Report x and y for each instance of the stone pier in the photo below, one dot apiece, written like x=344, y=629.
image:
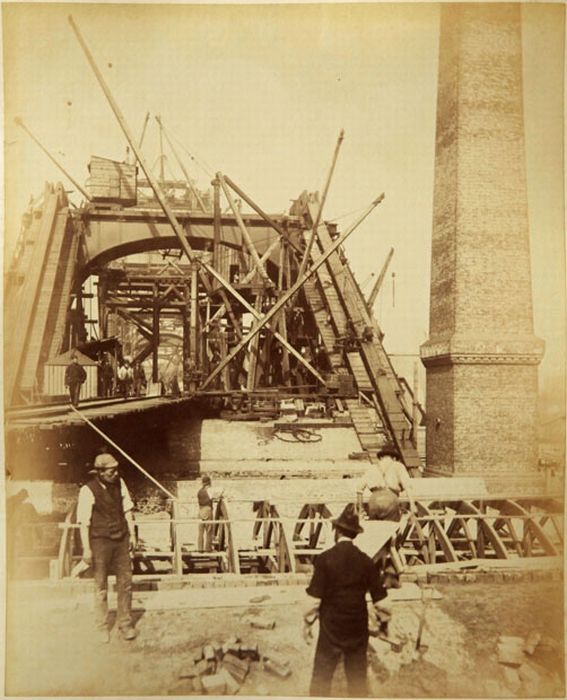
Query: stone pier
x=481, y=356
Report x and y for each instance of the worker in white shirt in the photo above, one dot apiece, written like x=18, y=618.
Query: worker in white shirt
x=104, y=512
x=205, y=497
x=385, y=481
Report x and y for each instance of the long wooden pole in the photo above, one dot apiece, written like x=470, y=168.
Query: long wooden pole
x=146, y=120
x=273, y=245
x=291, y=291
x=124, y=454
x=305, y=260
x=245, y=234
x=267, y=218
x=21, y=124
x=378, y=284
x=177, y=228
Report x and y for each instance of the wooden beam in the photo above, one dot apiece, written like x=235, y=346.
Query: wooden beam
x=247, y=239
x=253, y=349
x=141, y=141
x=307, y=253
x=217, y=225
x=178, y=230
x=21, y=124
x=378, y=284
x=155, y=339
x=267, y=218
x=193, y=322
x=264, y=259
x=292, y=291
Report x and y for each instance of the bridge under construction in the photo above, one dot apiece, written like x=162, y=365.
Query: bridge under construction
x=260, y=317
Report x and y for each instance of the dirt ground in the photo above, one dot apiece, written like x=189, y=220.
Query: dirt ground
x=51, y=650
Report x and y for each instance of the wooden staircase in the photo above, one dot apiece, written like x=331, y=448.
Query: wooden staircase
x=367, y=359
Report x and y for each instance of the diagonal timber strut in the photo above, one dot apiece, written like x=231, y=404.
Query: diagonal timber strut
x=177, y=228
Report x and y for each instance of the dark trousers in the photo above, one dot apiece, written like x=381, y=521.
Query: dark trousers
x=112, y=556
x=327, y=656
x=74, y=393
x=205, y=538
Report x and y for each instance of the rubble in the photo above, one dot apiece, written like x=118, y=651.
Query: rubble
x=522, y=675
x=532, y=640
x=511, y=650
x=263, y=624
x=220, y=668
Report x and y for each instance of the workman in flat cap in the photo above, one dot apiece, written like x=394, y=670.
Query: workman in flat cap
x=342, y=576
x=108, y=536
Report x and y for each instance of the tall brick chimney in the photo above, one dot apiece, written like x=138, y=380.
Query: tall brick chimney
x=481, y=355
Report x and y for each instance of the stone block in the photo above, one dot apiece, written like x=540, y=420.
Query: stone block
x=532, y=640
x=512, y=679
x=263, y=624
x=511, y=651
x=277, y=669
x=215, y=684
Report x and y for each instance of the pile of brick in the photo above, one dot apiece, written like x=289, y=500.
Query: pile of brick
x=221, y=668
x=522, y=674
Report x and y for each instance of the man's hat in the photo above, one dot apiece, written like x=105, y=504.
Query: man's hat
x=206, y=479
x=105, y=461
x=347, y=521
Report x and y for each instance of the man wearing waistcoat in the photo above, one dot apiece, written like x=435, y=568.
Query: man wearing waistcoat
x=341, y=578
x=104, y=512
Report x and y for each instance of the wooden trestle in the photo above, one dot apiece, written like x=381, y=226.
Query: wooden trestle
x=443, y=533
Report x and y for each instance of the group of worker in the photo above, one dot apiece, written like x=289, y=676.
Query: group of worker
x=342, y=575
x=128, y=380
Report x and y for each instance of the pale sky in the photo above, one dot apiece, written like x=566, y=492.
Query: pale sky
x=261, y=93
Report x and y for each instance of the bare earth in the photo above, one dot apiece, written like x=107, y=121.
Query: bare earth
x=51, y=650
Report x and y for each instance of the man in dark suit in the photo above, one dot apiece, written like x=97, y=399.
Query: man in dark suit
x=342, y=577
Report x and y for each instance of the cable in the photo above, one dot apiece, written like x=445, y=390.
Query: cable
x=205, y=167
x=298, y=435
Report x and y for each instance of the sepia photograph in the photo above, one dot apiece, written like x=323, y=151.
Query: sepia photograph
x=284, y=328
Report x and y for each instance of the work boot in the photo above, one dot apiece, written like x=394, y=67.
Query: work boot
x=102, y=635
x=128, y=633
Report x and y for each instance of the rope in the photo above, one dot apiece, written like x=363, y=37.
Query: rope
x=205, y=167
x=298, y=435
x=124, y=454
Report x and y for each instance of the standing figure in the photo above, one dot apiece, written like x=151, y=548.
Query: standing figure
x=205, y=496
x=75, y=376
x=139, y=378
x=341, y=578
x=125, y=378
x=106, y=377
x=108, y=536
x=385, y=480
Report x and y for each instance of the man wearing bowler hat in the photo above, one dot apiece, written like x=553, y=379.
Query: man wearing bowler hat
x=342, y=576
x=104, y=512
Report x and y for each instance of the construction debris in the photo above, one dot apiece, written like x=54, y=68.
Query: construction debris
x=511, y=651
x=522, y=675
x=532, y=640
x=263, y=624
x=221, y=668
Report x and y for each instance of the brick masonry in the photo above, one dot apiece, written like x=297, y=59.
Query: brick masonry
x=481, y=355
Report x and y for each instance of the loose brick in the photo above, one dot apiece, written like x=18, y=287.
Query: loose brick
x=232, y=684
x=263, y=624
x=215, y=684
x=277, y=669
